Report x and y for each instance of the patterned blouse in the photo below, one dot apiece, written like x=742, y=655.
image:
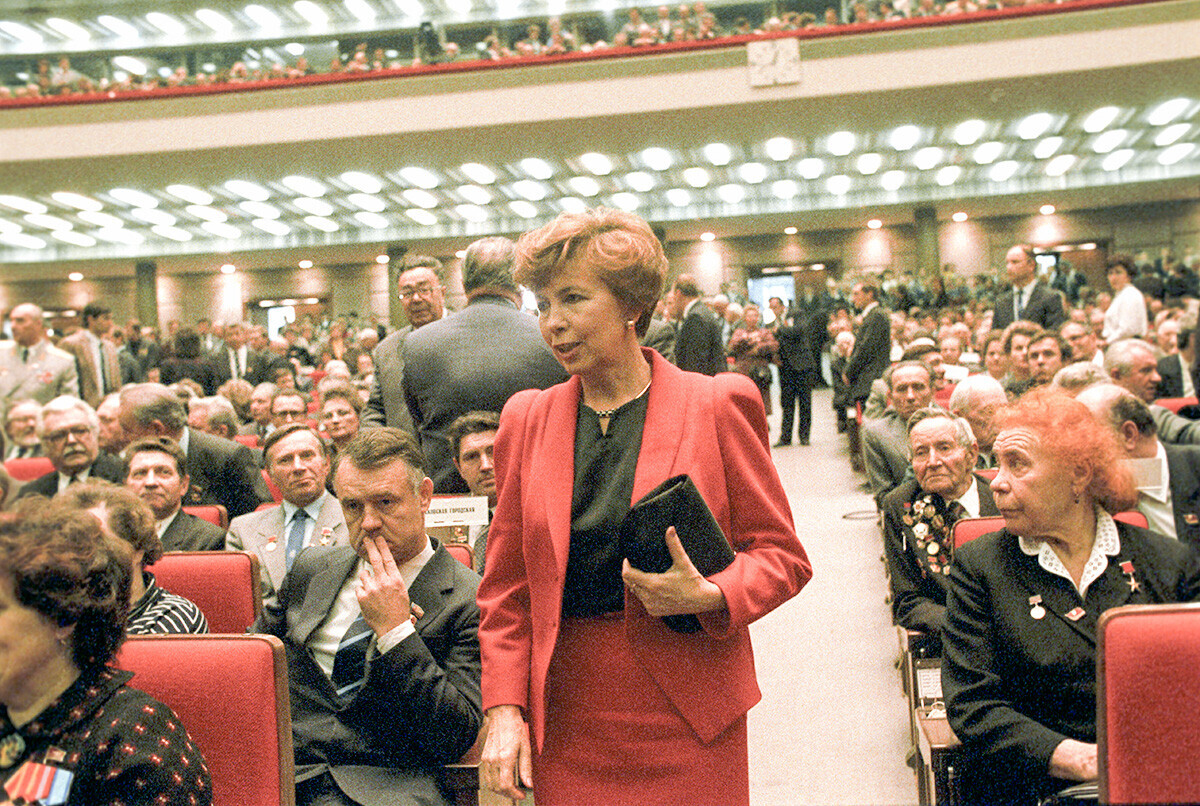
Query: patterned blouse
x=159, y=612
x=102, y=744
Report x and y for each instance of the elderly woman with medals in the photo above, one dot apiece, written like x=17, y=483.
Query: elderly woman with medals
x=71, y=731
x=1019, y=645
x=919, y=517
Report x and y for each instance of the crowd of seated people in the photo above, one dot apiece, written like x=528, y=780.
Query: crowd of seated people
x=669, y=24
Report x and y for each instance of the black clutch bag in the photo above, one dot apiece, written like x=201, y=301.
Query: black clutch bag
x=676, y=502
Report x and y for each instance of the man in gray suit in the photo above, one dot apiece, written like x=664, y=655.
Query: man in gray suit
x=31, y=368
x=421, y=294
x=381, y=639
x=473, y=360
x=885, y=441
x=297, y=459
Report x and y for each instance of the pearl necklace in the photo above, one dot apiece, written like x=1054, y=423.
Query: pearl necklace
x=607, y=413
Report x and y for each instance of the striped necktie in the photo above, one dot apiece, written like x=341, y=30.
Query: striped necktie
x=350, y=662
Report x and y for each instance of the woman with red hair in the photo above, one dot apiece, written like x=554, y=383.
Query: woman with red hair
x=1019, y=647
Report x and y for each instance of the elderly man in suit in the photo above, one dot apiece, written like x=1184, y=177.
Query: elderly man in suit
x=31, y=368
x=473, y=360
x=919, y=517
x=1028, y=299
x=156, y=470
x=885, y=440
x=872, y=343
x=69, y=433
x=95, y=356
x=381, y=639
x=1132, y=365
x=21, y=430
x=1167, y=476
x=297, y=460
x=698, y=343
x=221, y=471
x=422, y=295
x=1175, y=369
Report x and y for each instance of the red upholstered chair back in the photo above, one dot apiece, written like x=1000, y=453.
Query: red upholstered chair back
x=231, y=693
x=1147, y=698
x=213, y=513
x=942, y=396
x=273, y=487
x=968, y=529
x=249, y=440
x=1133, y=518
x=461, y=552
x=225, y=585
x=29, y=468
x=1176, y=403
x=988, y=473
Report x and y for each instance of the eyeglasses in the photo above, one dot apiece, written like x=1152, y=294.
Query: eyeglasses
x=77, y=431
x=422, y=290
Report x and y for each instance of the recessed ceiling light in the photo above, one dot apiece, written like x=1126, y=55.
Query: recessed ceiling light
x=523, y=208
x=1175, y=153
x=23, y=241
x=570, y=204
x=584, y=185
x=366, y=182
x=134, y=198
x=263, y=17
x=1034, y=126
x=475, y=194
x=304, y=185
x=477, y=172
x=874, y=223
x=838, y=184
x=361, y=10
x=640, y=181
x=657, y=159
x=9, y=227
x=1109, y=141
x=596, y=163
x=904, y=137
x=868, y=163
x=1060, y=165
x=790, y=230
x=174, y=233
x=374, y=204
x=23, y=204
x=215, y=20
x=152, y=216
x=421, y=177
x=752, y=173
x=779, y=148
x=73, y=238
x=421, y=198
x=206, y=213
x=460, y=254
x=69, y=29
x=247, y=190
x=222, y=230
x=75, y=276
x=707, y=237
x=731, y=194
x=48, y=221
x=166, y=23
x=959, y=217
x=678, y=197
x=927, y=158
x=100, y=219
x=810, y=167
x=1003, y=171
x=372, y=220
x=23, y=33
x=696, y=177
x=1117, y=159
x=948, y=175
x=987, y=153
x=969, y=131
x=383, y=260
x=294, y=49
x=1046, y=209
x=189, y=194
x=785, y=189
x=118, y=26
x=271, y=226
x=1171, y=134
x=626, y=201
x=422, y=217
x=311, y=12
x=718, y=154
x=322, y=223
x=840, y=143
x=131, y=65
x=79, y=202
x=892, y=180
x=1167, y=111
x=260, y=209
x=1047, y=148
x=472, y=212
x=228, y=268
x=313, y=206
x=305, y=264
x=531, y=190
x=1101, y=119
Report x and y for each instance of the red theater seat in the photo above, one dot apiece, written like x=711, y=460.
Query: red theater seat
x=231, y=692
x=1176, y=403
x=988, y=473
x=461, y=552
x=249, y=440
x=213, y=513
x=1147, y=698
x=1133, y=518
x=29, y=468
x=968, y=529
x=273, y=487
x=225, y=585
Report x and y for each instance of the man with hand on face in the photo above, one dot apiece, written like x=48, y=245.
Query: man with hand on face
x=297, y=460
x=69, y=435
x=381, y=639
x=156, y=470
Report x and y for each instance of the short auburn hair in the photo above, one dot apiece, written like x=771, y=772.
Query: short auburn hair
x=619, y=247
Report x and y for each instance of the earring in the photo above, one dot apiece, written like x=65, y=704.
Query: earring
x=630, y=324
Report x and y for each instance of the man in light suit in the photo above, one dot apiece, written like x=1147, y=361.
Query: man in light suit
x=69, y=433
x=421, y=294
x=156, y=470
x=383, y=664
x=1028, y=299
x=95, y=356
x=297, y=460
x=221, y=471
x=473, y=360
x=698, y=345
x=31, y=368
x=872, y=343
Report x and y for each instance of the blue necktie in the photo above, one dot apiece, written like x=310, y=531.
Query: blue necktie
x=350, y=662
x=295, y=540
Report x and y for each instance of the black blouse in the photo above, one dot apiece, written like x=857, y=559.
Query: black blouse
x=605, y=464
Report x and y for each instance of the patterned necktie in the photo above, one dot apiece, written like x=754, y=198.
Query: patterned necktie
x=350, y=662
x=295, y=540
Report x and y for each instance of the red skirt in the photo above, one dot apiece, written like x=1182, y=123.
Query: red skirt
x=613, y=738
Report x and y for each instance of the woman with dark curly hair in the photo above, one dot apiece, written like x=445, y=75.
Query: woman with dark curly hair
x=71, y=731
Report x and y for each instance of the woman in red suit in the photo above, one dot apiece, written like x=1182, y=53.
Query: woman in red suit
x=591, y=697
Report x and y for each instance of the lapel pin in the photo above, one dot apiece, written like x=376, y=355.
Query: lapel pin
x=326, y=535
x=1127, y=570
x=1076, y=613
x=272, y=543
x=1191, y=518
x=1036, y=611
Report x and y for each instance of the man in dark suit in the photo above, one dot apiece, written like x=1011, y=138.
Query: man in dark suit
x=798, y=371
x=885, y=440
x=237, y=359
x=156, y=469
x=660, y=335
x=919, y=517
x=473, y=360
x=1175, y=369
x=872, y=343
x=1028, y=299
x=70, y=437
x=221, y=471
x=383, y=668
x=698, y=346
x=1167, y=476
x=422, y=295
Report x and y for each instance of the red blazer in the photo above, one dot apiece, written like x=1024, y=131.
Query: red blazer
x=712, y=428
